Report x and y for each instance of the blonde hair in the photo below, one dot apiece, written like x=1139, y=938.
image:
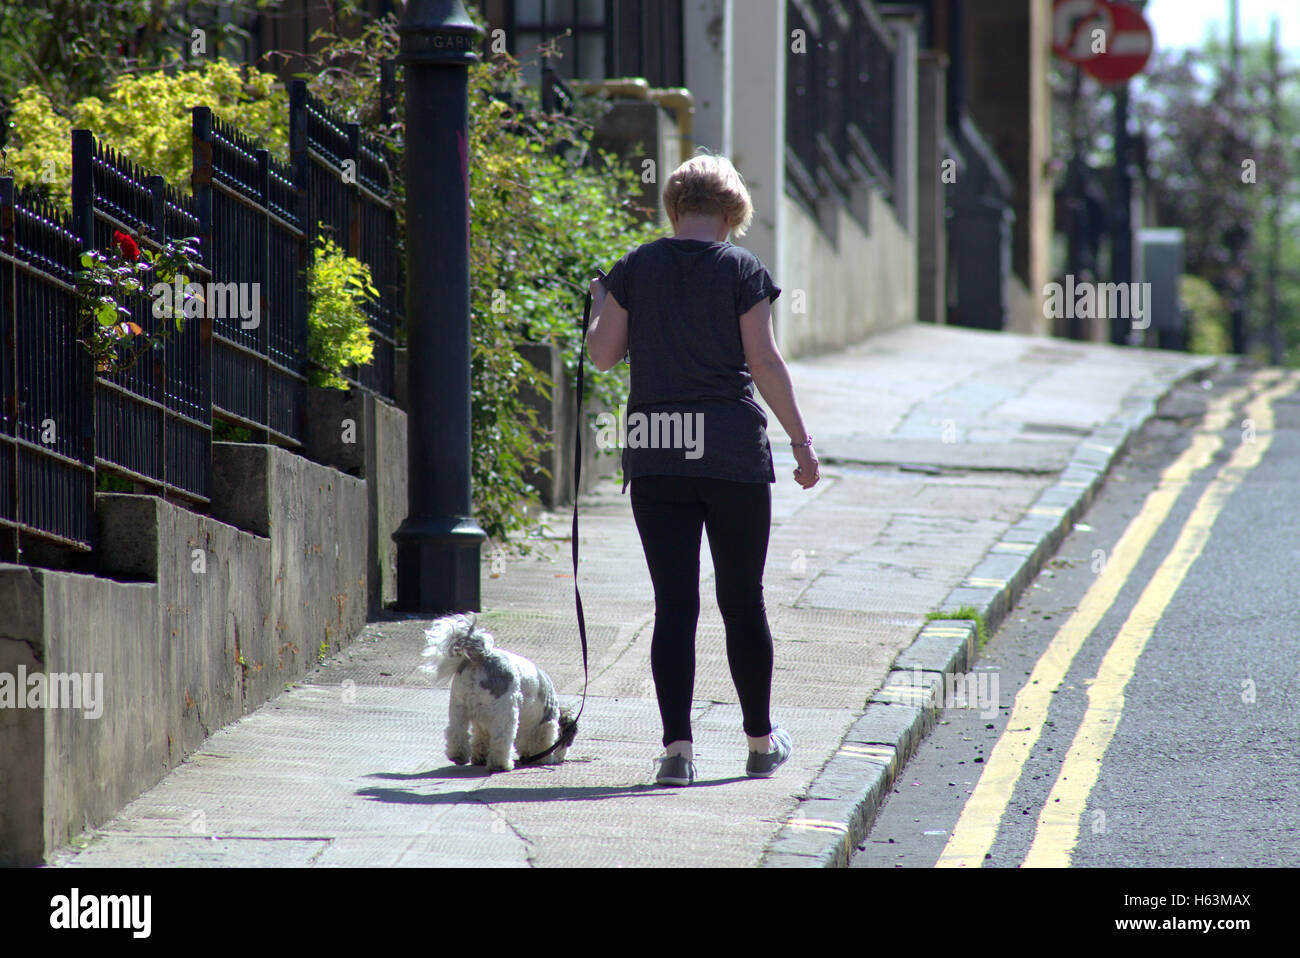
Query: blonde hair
x=708, y=184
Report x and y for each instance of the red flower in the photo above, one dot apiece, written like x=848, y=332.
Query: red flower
x=127, y=245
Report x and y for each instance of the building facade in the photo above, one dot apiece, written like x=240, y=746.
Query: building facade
x=897, y=153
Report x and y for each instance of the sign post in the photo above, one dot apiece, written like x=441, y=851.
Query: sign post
x=1111, y=41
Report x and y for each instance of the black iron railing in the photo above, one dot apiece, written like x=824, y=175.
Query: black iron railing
x=870, y=93
x=47, y=453
x=153, y=421
x=839, y=99
x=804, y=83
x=252, y=230
x=243, y=360
x=348, y=196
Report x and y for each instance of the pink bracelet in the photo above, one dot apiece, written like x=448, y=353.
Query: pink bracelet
x=806, y=442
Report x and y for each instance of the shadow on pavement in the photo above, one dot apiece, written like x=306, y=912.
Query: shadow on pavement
x=505, y=794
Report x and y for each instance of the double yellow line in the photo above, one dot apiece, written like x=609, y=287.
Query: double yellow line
x=1058, y=824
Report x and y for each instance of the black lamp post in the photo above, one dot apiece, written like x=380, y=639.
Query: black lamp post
x=438, y=542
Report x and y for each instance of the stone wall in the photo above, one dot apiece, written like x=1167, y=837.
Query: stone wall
x=193, y=622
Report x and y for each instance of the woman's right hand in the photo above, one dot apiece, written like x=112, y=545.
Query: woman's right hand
x=807, y=474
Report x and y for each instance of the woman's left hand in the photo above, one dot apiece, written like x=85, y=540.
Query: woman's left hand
x=808, y=472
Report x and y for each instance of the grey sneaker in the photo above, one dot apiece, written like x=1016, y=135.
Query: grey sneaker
x=763, y=764
x=675, y=770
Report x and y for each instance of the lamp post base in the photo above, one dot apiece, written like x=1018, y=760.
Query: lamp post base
x=438, y=565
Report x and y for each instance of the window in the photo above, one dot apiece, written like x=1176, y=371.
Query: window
x=608, y=38
x=582, y=53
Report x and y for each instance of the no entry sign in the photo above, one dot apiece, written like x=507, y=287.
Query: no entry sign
x=1110, y=39
x=1074, y=23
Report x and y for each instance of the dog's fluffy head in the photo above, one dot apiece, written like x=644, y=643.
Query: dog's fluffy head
x=453, y=640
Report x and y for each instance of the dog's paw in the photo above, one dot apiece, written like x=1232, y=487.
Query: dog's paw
x=460, y=758
x=497, y=765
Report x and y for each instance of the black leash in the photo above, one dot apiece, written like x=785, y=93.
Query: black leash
x=569, y=725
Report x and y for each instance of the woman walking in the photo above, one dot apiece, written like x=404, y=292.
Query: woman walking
x=692, y=313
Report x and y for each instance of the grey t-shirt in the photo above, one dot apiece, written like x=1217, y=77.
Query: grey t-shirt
x=691, y=409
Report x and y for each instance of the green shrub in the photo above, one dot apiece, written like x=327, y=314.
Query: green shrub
x=338, y=332
x=73, y=48
x=108, y=482
x=146, y=118
x=223, y=431
x=1207, y=316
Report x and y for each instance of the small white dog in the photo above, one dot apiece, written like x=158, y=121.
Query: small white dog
x=506, y=700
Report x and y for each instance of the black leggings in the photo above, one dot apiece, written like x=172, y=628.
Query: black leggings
x=670, y=512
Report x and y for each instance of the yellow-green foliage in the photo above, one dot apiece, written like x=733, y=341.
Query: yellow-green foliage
x=338, y=334
x=1207, y=316
x=147, y=119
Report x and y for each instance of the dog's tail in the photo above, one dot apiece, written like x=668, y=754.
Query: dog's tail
x=568, y=727
x=454, y=640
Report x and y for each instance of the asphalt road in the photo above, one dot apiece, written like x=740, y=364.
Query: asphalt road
x=1170, y=737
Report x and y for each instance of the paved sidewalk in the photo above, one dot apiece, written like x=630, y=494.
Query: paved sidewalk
x=938, y=445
